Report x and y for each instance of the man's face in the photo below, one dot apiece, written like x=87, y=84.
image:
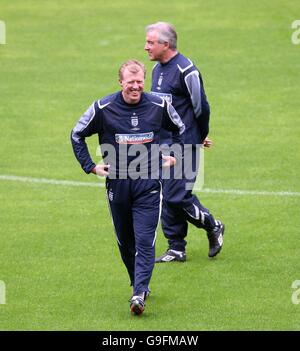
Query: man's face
x=132, y=85
x=156, y=50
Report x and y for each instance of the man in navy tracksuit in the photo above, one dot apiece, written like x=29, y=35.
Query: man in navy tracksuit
x=176, y=79
x=128, y=124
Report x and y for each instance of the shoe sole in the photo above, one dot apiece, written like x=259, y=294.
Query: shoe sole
x=222, y=233
x=161, y=261
x=136, y=309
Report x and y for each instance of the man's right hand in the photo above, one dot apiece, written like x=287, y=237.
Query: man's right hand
x=207, y=142
x=101, y=170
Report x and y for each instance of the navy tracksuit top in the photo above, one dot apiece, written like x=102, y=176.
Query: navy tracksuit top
x=118, y=123
x=180, y=83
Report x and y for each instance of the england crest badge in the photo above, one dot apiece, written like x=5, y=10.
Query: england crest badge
x=134, y=121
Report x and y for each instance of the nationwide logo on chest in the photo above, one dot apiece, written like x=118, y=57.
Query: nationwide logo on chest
x=140, y=138
x=167, y=97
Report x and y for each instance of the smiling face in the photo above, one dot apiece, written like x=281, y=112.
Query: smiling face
x=132, y=83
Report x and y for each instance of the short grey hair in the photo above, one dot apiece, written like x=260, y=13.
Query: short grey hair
x=166, y=33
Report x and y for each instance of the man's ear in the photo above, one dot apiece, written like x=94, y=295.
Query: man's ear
x=120, y=82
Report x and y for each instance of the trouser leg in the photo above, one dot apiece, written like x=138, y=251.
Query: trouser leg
x=174, y=224
x=180, y=206
x=145, y=212
x=119, y=199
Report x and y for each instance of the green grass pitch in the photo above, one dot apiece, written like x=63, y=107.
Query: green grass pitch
x=59, y=259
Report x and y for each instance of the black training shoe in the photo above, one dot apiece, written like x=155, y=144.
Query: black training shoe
x=171, y=256
x=137, y=305
x=215, y=238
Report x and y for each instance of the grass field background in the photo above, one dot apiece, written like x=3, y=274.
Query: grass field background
x=58, y=255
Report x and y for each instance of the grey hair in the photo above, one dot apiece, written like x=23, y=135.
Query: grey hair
x=166, y=33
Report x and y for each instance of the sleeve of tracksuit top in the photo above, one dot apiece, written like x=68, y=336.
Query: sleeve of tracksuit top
x=195, y=87
x=88, y=124
x=173, y=123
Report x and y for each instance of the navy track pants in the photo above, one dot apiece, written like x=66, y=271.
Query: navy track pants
x=135, y=209
x=181, y=207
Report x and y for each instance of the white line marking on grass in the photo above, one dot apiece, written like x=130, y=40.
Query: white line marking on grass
x=249, y=192
x=49, y=181
x=102, y=184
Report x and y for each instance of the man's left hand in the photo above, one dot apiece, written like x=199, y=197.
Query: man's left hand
x=169, y=161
